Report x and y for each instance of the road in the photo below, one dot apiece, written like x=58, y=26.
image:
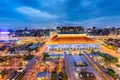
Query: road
x=31, y=69
x=111, y=52
x=68, y=68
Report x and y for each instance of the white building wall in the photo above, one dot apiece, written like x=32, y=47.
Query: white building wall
x=77, y=46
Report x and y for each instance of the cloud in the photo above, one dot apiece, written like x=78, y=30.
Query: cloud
x=31, y=12
x=60, y=12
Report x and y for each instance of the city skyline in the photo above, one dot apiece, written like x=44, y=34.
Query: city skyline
x=52, y=13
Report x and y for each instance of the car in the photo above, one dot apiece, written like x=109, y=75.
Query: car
x=20, y=70
x=60, y=76
x=36, y=61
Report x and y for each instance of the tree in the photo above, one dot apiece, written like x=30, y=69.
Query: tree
x=45, y=55
x=111, y=73
x=28, y=57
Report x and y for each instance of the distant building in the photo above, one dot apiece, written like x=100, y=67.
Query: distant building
x=33, y=32
x=118, y=31
x=6, y=37
x=70, y=30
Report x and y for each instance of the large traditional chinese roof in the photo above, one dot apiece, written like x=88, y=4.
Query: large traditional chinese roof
x=71, y=39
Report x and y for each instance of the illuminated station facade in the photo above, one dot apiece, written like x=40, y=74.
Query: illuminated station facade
x=71, y=43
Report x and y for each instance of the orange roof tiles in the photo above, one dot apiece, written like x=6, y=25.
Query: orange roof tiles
x=71, y=39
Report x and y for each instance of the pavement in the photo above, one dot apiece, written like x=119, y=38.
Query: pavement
x=71, y=68
x=98, y=69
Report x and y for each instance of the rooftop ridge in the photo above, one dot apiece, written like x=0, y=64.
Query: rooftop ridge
x=71, y=35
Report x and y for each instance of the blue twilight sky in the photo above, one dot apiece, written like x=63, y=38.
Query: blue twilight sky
x=52, y=13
